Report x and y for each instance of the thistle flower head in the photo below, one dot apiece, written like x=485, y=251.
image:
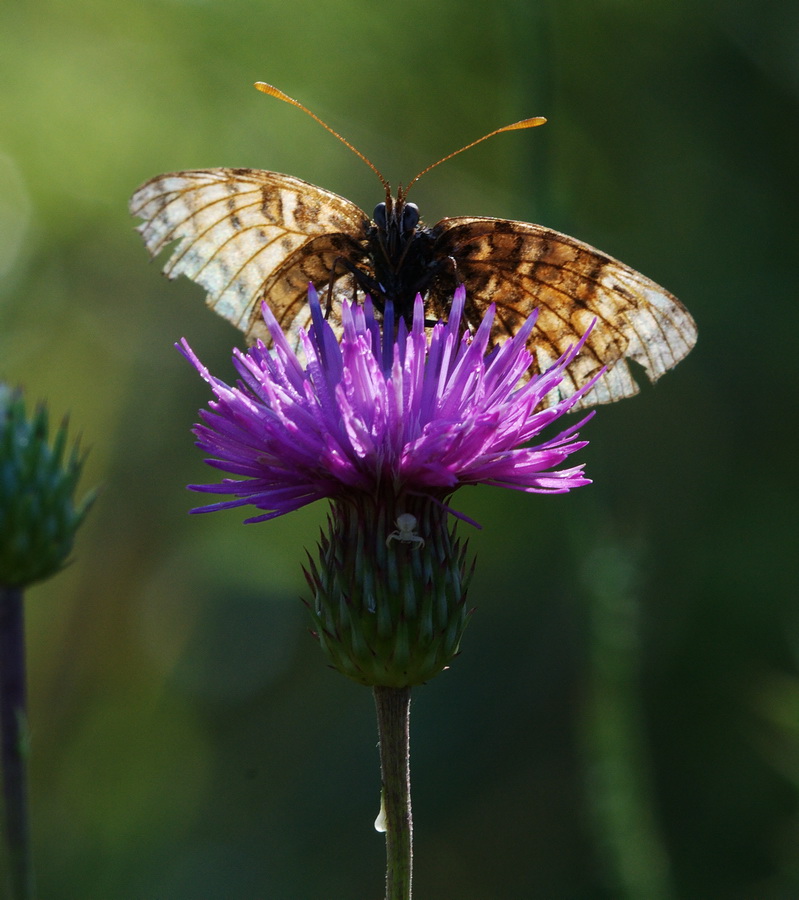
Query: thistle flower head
x=420, y=413
x=386, y=424
x=38, y=512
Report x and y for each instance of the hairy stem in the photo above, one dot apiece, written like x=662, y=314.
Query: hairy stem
x=393, y=716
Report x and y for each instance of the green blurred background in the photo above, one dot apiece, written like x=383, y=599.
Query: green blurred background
x=623, y=721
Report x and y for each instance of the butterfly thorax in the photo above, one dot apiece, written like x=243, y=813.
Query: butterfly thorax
x=400, y=251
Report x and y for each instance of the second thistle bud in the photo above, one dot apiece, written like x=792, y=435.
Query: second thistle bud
x=389, y=604
x=38, y=512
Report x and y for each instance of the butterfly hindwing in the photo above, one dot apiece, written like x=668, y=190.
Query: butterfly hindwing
x=520, y=267
x=246, y=235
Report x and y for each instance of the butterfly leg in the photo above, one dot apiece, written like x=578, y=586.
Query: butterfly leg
x=366, y=283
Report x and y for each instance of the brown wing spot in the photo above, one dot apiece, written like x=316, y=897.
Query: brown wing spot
x=339, y=242
x=271, y=205
x=503, y=226
x=305, y=213
x=623, y=292
x=232, y=206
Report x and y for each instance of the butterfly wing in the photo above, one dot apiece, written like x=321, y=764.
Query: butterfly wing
x=521, y=267
x=247, y=236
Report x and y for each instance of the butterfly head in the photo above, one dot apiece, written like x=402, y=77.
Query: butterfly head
x=396, y=216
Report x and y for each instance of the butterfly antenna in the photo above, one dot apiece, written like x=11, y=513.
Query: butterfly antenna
x=516, y=126
x=279, y=95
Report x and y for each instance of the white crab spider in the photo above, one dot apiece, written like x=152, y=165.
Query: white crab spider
x=406, y=523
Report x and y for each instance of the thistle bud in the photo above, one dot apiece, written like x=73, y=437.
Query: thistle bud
x=389, y=591
x=38, y=512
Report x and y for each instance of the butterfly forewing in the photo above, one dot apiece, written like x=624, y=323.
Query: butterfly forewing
x=246, y=235
x=521, y=267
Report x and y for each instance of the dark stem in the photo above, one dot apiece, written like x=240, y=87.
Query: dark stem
x=13, y=727
x=393, y=716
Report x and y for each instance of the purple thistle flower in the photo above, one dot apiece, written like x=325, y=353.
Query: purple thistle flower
x=385, y=424
x=422, y=414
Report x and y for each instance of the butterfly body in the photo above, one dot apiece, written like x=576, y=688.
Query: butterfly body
x=249, y=236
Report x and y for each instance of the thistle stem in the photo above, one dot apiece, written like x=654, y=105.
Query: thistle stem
x=13, y=727
x=393, y=717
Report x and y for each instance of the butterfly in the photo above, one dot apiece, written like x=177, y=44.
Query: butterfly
x=247, y=235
